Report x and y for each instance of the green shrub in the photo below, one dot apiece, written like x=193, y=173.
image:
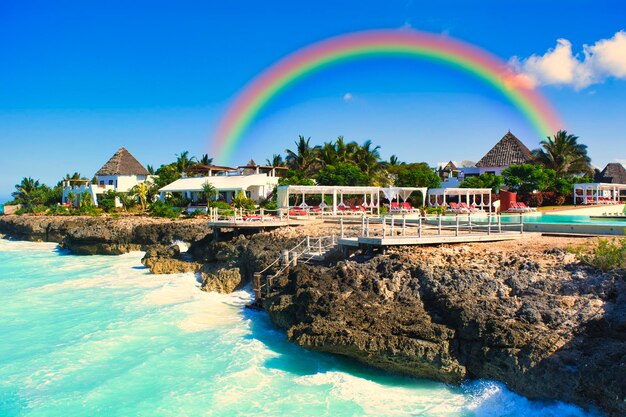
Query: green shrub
x=224, y=209
x=436, y=210
x=107, y=201
x=39, y=209
x=59, y=211
x=89, y=210
x=160, y=209
x=607, y=255
x=243, y=202
x=270, y=205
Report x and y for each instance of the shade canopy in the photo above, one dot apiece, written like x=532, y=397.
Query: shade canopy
x=597, y=192
x=371, y=194
x=477, y=196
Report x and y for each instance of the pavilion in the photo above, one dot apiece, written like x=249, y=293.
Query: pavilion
x=598, y=193
x=479, y=197
x=370, y=194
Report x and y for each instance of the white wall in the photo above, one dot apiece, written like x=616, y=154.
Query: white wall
x=122, y=183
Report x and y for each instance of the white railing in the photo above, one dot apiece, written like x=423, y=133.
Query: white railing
x=403, y=226
x=303, y=252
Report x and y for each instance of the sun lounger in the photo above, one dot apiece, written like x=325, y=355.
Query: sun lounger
x=406, y=206
x=524, y=207
x=467, y=208
x=395, y=207
x=455, y=208
x=514, y=208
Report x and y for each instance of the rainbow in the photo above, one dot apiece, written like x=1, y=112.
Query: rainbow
x=320, y=55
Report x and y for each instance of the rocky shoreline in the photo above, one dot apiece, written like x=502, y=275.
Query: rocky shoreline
x=525, y=313
x=86, y=235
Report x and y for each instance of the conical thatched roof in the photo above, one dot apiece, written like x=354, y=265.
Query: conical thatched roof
x=509, y=151
x=613, y=173
x=122, y=163
x=450, y=167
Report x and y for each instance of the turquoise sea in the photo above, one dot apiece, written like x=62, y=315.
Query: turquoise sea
x=100, y=336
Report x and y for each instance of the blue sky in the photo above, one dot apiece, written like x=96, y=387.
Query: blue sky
x=80, y=79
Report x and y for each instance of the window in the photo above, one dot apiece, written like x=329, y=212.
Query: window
x=110, y=182
x=101, y=182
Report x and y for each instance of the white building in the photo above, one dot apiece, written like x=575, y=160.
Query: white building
x=255, y=181
x=121, y=173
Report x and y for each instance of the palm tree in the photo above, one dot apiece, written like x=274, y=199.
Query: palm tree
x=141, y=190
x=25, y=190
x=276, y=161
x=564, y=154
x=394, y=161
x=74, y=176
x=327, y=154
x=71, y=198
x=304, y=157
x=367, y=158
x=183, y=161
x=208, y=190
x=345, y=151
x=205, y=160
x=150, y=169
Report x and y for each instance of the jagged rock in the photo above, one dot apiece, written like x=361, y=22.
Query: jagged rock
x=87, y=235
x=548, y=330
x=223, y=281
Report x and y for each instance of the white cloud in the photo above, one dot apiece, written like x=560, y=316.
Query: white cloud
x=347, y=97
x=561, y=66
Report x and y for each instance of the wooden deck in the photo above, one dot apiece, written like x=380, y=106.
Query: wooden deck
x=428, y=240
x=258, y=224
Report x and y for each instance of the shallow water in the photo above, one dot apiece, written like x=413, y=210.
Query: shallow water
x=100, y=336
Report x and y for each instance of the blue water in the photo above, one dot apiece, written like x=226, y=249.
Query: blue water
x=100, y=336
x=1, y=209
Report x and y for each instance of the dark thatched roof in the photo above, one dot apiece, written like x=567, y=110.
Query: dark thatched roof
x=613, y=173
x=450, y=167
x=509, y=151
x=122, y=163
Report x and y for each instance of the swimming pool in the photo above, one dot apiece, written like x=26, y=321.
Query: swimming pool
x=570, y=219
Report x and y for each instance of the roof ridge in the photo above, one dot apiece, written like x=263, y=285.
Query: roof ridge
x=508, y=151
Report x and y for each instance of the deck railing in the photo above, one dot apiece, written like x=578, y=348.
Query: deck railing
x=459, y=224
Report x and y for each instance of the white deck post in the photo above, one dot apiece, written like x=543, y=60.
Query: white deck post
x=362, y=225
x=419, y=226
x=384, y=227
x=521, y=222
x=392, y=225
x=367, y=227
x=456, y=233
x=439, y=224
x=403, y=224
x=335, y=202
x=499, y=223
x=489, y=223
x=341, y=227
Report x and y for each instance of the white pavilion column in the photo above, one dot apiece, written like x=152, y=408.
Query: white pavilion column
x=334, y=201
x=489, y=203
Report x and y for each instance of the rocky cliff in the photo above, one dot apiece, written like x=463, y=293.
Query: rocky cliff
x=85, y=235
x=546, y=326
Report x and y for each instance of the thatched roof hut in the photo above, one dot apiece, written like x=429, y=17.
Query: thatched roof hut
x=122, y=163
x=508, y=151
x=613, y=173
